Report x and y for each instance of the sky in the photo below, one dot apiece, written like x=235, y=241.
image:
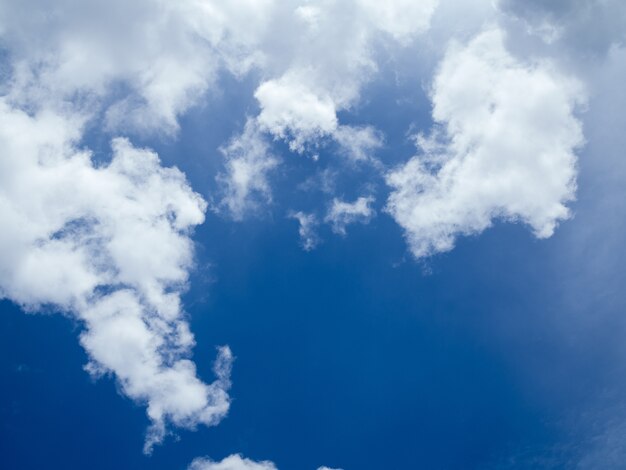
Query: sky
x=323, y=234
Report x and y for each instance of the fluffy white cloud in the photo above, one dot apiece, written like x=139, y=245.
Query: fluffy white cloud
x=504, y=149
x=232, y=462
x=236, y=462
x=323, y=68
x=147, y=61
x=291, y=111
x=109, y=245
x=343, y=213
x=307, y=229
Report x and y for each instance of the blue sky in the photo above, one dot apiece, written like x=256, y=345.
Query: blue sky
x=397, y=228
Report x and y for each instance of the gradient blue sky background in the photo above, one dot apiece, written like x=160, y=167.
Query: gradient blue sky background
x=506, y=352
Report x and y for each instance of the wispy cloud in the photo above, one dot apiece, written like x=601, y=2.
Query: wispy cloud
x=341, y=213
x=307, y=229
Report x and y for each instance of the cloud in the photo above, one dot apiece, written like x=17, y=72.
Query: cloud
x=320, y=69
x=308, y=224
x=109, y=245
x=316, y=57
x=291, y=111
x=359, y=144
x=143, y=63
x=342, y=213
x=236, y=462
x=232, y=462
x=329, y=60
x=587, y=27
x=503, y=148
x=244, y=183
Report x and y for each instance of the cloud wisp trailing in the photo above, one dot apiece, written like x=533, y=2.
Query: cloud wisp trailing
x=307, y=229
x=342, y=213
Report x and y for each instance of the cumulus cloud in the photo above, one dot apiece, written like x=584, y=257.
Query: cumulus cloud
x=307, y=229
x=503, y=149
x=236, y=462
x=343, y=213
x=108, y=245
x=161, y=55
x=291, y=111
x=232, y=462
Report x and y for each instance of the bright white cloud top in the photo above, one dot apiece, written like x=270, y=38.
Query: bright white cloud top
x=504, y=149
x=232, y=462
x=236, y=462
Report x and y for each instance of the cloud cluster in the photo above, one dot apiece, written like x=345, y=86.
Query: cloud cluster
x=503, y=149
x=109, y=242
x=321, y=68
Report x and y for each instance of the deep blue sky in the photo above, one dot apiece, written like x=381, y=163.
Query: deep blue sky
x=499, y=354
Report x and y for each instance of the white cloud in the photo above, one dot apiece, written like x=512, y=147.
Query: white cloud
x=320, y=69
x=402, y=19
x=245, y=180
x=145, y=63
x=358, y=143
x=504, y=150
x=236, y=462
x=232, y=462
x=307, y=229
x=110, y=246
x=161, y=55
x=343, y=213
x=291, y=111
x=317, y=55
